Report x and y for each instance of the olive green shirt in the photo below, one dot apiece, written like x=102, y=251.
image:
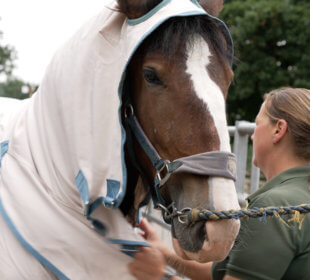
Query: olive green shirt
x=267, y=248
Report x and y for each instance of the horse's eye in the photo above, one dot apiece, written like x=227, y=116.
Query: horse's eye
x=151, y=76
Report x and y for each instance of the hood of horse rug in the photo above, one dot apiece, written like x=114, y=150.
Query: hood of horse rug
x=62, y=161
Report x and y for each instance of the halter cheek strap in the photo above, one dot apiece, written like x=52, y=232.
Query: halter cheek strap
x=215, y=163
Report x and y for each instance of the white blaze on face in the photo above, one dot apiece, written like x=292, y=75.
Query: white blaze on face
x=222, y=191
x=206, y=89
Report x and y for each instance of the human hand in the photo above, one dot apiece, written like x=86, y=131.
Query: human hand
x=150, y=234
x=148, y=263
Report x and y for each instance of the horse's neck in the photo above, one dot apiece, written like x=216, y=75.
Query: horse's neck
x=132, y=177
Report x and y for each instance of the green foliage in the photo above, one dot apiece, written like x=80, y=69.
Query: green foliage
x=13, y=88
x=7, y=57
x=271, y=48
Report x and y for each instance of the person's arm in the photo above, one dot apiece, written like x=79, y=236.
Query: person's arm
x=228, y=277
x=149, y=263
x=189, y=268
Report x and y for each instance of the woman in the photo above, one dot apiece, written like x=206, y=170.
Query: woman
x=271, y=249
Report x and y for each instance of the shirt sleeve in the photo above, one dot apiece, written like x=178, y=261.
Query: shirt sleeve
x=264, y=249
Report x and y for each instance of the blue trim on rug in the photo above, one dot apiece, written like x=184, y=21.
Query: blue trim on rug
x=121, y=195
x=107, y=202
x=29, y=248
x=93, y=206
x=148, y=14
x=82, y=186
x=196, y=3
x=128, y=242
x=129, y=247
x=129, y=250
x=4, y=146
x=113, y=188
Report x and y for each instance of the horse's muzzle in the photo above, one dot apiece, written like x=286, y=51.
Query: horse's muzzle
x=211, y=241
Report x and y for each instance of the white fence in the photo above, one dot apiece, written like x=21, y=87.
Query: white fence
x=247, y=179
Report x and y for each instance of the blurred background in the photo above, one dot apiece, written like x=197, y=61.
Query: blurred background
x=30, y=33
x=271, y=39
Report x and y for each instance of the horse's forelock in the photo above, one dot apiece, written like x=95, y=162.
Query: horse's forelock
x=179, y=32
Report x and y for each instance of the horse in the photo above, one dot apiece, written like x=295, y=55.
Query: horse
x=131, y=108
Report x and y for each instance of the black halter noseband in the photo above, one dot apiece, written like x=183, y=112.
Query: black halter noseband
x=215, y=163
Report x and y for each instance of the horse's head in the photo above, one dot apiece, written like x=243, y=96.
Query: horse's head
x=178, y=79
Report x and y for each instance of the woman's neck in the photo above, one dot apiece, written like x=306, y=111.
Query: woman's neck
x=280, y=164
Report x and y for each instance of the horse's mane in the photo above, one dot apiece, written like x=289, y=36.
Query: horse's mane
x=178, y=32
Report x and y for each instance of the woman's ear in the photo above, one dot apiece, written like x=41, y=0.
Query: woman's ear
x=279, y=131
x=212, y=7
x=136, y=8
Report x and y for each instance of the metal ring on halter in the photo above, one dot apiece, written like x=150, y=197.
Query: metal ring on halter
x=159, y=206
x=183, y=214
x=128, y=111
x=162, y=177
x=169, y=214
x=172, y=212
x=169, y=211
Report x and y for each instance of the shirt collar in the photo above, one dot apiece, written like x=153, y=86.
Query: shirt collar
x=300, y=171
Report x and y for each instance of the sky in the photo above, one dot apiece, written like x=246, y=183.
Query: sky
x=37, y=28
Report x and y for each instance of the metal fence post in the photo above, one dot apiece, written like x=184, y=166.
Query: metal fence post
x=241, y=138
x=240, y=150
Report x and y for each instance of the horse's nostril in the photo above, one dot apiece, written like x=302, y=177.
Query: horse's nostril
x=205, y=235
x=190, y=238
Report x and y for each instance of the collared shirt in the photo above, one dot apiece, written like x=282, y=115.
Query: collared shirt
x=267, y=248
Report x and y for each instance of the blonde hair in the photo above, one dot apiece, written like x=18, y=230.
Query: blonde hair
x=292, y=105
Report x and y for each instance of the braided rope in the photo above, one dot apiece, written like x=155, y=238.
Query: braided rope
x=196, y=215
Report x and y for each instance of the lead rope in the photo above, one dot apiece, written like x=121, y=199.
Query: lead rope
x=191, y=216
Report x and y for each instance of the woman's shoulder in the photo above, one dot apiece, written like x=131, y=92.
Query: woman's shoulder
x=291, y=192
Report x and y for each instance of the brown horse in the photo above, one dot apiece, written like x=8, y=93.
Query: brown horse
x=178, y=81
x=131, y=107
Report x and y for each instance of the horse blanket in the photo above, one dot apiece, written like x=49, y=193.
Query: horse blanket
x=62, y=174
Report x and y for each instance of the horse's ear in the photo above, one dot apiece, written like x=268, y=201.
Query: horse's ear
x=213, y=7
x=136, y=8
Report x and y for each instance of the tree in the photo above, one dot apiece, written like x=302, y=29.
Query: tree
x=11, y=87
x=7, y=57
x=271, y=47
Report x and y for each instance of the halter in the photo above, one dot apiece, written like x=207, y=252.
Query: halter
x=215, y=163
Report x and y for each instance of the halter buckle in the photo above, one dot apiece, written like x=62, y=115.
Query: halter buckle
x=169, y=212
x=163, y=174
